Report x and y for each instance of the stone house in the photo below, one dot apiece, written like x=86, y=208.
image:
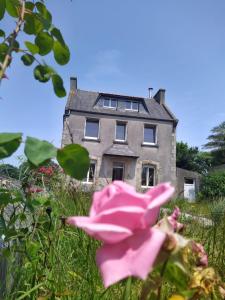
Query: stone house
x=128, y=138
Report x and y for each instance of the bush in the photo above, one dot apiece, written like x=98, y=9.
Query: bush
x=213, y=185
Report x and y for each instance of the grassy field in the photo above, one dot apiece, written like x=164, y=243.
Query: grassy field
x=54, y=261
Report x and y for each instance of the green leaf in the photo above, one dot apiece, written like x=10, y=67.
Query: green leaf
x=2, y=33
x=44, y=41
x=16, y=46
x=2, y=9
x=27, y=59
x=32, y=47
x=9, y=143
x=58, y=86
x=57, y=34
x=29, y=5
x=176, y=275
x=32, y=24
x=12, y=7
x=61, y=53
x=2, y=225
x=44, y=12
x=42, y=73
x=74, y=159
x=38, y=151
x=3, y=51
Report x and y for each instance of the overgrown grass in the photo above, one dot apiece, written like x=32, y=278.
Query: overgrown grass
x=56, y=261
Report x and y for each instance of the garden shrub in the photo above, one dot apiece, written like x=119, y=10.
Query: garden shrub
x=213, y=185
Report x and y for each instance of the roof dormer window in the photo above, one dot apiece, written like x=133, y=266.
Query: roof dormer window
x=110, y=103
x=132, y=105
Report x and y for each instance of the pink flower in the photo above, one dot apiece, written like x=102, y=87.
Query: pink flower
x=173, y=220
x=122, y=218
x=202, y=256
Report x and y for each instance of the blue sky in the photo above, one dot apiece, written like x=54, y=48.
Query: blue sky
x=125, y=47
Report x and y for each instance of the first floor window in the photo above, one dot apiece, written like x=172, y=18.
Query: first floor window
x=118, y=170
x=92, y=128
x=120, y=131
x=91, y=173
x=148, y=176
x=149, y=134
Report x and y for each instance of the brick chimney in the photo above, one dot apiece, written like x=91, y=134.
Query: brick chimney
x=160, y=96
x=73, y=84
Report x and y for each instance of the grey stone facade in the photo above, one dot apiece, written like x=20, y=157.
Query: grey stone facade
x=133, y=153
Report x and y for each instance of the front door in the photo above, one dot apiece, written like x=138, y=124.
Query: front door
x=189, y=189
x=118, y=171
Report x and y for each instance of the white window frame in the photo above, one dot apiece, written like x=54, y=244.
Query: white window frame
x=110, y=103
x=124, y=123
x=154, y=177
x=86, y=180
x=132, y=109
x=155, y=129
x=91, y=137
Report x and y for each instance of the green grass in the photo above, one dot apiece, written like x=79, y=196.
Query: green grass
x=58, y=262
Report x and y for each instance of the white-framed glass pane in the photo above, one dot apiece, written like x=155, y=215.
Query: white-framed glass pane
x=106, y=102
x=144, y=176
x=92, y=127
x=128, y=105
x=113, y=103
x=151, y=174
x=121, y=131
x=135, y=105
x=149, y=134
x=148, y=176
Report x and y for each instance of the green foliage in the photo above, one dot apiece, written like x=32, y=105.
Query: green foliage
x=190, y=158
x=34, y=19
x=38, y=151
x=61, y=53
x=9, y=143
x=213, y=185
x=74, y=159
x=27, y=59
x=58, y=86
x=2, y=9
x=44, y=42
x=217, y=143
x=12, y=7
x=9, y=171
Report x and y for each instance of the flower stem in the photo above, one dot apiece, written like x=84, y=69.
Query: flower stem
x=161, y=275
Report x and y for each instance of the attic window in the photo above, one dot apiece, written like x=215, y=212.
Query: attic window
x=109, y=103
x=132, y=105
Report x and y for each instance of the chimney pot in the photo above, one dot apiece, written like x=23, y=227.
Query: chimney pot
x=160, y=96
x=73, y=84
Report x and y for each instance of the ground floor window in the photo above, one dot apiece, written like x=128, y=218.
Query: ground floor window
x=148, y=176
x=118, y=171
x=91, y=173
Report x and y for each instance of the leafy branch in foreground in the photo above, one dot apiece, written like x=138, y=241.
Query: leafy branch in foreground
x=74, y=159
x=34, y=20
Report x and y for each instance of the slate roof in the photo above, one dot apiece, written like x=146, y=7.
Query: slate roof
x=120, y=150
x=85, y=101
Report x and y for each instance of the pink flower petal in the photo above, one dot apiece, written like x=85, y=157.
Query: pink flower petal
x=107, y=233
x=159, y=196
x=130, y=217
x=117, y=194
x=134, y=256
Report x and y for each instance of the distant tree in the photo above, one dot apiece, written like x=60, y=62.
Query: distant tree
x=190, y=158
x=217, y=144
